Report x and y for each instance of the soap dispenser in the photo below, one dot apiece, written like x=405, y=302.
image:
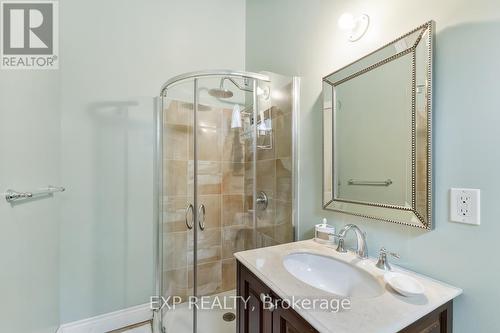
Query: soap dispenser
x=323, y=233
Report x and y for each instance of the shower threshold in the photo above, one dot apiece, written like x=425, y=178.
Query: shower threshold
x=180, y=319
x=144, y=327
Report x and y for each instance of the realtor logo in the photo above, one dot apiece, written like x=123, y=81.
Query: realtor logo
x=29, y=35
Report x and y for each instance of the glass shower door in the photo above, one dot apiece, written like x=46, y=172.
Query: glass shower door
x=224, y=173
x=178, y=208
x=226, y=187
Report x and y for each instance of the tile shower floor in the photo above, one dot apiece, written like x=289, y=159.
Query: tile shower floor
x=209, y=321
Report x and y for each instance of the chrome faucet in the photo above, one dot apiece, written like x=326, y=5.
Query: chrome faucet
x=362, y=250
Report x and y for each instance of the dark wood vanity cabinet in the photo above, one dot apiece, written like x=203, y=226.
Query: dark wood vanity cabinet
x=255, y=319
x=251, y=318
x=288, y=321
x=438, y=321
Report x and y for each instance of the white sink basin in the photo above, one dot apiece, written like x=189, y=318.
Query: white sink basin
x=333, y=276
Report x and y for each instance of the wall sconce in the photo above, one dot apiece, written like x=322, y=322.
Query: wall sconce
x=355, y=27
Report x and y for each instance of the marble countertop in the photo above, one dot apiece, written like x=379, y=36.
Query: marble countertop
x=387, y=313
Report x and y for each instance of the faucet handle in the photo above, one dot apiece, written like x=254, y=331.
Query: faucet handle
x=336, y=235
x=383, y=262
x=340, y=246
x=383, y=250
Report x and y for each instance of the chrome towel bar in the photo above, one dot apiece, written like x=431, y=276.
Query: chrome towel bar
x=370, y=182
x=12, y=196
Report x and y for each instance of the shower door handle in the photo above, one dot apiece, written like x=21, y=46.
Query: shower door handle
x=189, y=224
x=201, y=217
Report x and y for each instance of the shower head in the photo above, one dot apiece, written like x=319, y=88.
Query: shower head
x=221, y=92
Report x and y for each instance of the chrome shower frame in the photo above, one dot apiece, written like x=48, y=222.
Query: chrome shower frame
x=158, y=190
x=221, y=72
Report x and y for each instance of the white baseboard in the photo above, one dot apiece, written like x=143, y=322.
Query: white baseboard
x=109, y=321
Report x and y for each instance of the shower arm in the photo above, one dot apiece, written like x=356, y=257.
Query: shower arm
x=266, y=92
x=235, y=83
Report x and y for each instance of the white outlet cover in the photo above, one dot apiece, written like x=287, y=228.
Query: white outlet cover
x=465, y=205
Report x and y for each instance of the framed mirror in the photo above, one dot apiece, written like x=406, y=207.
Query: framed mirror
x=377, y=115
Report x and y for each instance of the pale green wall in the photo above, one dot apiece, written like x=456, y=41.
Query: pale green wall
x=296, y=37
x=120, y=52
x=29, y=231
x=372, y=134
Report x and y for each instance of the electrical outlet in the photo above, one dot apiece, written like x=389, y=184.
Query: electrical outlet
x=465, y=205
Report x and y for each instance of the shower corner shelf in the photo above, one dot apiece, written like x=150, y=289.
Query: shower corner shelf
x=267, y=133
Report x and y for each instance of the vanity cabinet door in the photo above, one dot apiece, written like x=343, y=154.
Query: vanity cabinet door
x=288, y=321
x=438, y=321
x=252, y=318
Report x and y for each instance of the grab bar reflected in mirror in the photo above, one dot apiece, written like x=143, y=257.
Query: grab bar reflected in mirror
x=369, y=182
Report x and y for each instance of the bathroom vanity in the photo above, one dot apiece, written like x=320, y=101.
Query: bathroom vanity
x=264, y=279
x=377, y=163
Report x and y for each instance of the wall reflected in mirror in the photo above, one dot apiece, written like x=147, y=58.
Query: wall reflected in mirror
x=376, y=133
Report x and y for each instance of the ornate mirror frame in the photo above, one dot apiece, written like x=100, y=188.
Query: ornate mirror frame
x=417, y=44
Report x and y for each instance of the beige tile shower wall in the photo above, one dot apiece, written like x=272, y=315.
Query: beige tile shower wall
x=176, y=154
x=221, y=188
x=274, y=171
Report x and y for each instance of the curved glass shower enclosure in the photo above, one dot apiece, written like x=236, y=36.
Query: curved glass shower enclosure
x=226, y=185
